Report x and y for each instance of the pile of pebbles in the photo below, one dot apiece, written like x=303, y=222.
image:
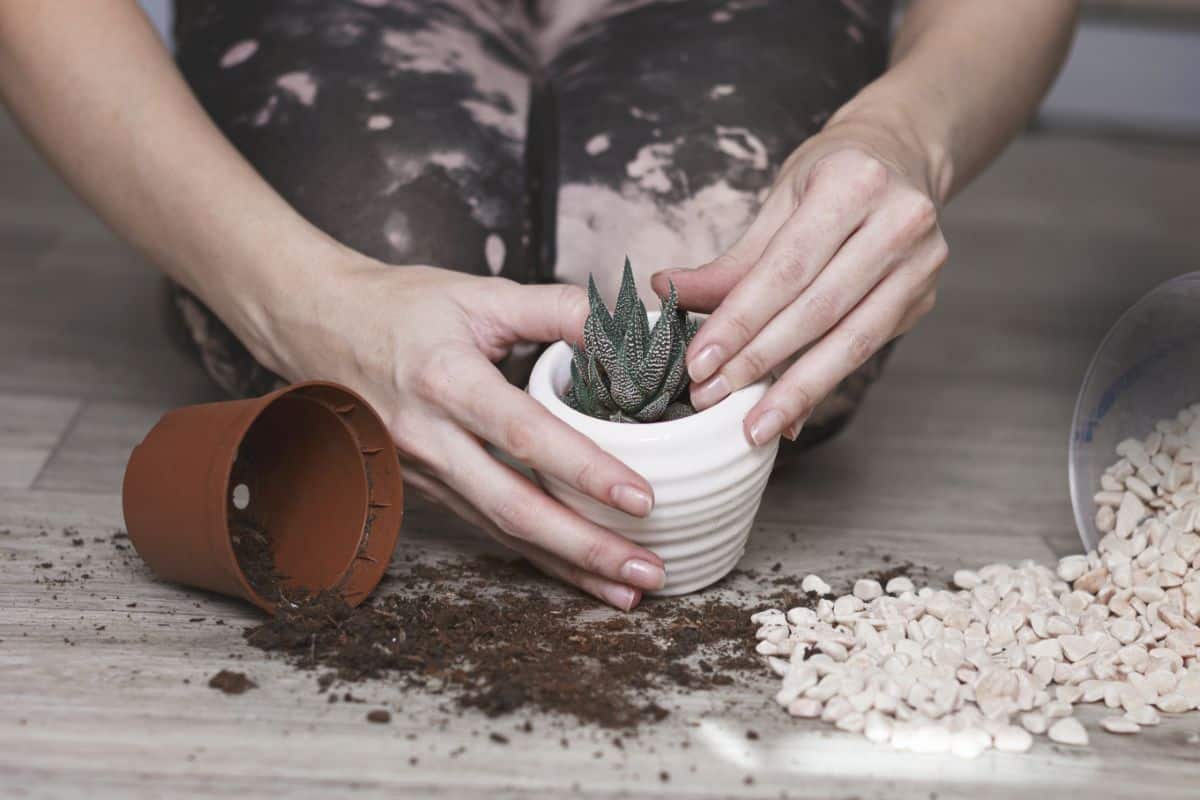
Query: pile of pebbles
x=1010, y=653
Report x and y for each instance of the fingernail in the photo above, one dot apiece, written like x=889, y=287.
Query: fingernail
x=706, y=362
x=710, y=393
x=643, y=574
x=766, y=427
x=631, y=500
x=622, y=597
x=794, y=429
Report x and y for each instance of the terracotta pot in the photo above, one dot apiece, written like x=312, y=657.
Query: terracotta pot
x=310, y=464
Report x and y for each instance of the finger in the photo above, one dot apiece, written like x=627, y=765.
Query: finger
x=536, y=313
x=830, y=211
x=616, y=594
x=880, y=246
x=844, y=349
x=919, y=310
x=703, y=288
x=443, y=495
x=519, y=508
x=491, y=408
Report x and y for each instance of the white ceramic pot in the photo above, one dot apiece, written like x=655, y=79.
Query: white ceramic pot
x=708, y=479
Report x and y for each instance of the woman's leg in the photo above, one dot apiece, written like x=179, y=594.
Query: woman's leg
x=673, y=118
x=397, y=127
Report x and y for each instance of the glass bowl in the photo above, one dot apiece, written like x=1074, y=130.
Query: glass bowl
x=1146, y=369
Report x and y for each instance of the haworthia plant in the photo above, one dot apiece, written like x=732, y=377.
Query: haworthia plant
x=626, y=371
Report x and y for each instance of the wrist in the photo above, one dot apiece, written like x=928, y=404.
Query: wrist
x=886, y=124
x=280, y=296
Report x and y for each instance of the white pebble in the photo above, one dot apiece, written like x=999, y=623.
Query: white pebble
x=966, y=579
x=1071, y=568
x=970, y=742
x=805, y=708
x=1068, y=731
x=1034, y=722
x=867, y=590
x=813, y=583
x=846, y=606
x=928, y=738
x=1076, y=648
x=1143, y=716
x=1129, y=515
x=901, y=584
x=1011, y=739
x=1119, y=725
x=1173, y=704
x=876, y=727
x=770, y=616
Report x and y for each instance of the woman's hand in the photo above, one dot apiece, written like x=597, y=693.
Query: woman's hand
x=843, y=257
x=420, y=344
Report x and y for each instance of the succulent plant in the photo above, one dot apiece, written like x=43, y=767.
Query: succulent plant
x=627, y=371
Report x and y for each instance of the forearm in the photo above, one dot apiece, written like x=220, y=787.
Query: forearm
x=965, y=75
x=101, y=98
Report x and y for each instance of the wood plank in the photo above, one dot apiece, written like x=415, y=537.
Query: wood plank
x=92, y=457
x=30, y=428
x=91, y=321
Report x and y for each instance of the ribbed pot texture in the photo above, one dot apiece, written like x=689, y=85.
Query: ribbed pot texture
x=708, y=479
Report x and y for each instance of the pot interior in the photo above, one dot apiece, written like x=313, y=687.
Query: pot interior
x=299, y=480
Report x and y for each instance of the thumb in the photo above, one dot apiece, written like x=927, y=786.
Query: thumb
x=538, y=312
x=703, y=288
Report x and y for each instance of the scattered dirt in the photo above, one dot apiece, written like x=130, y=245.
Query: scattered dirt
x=526, y=645
x=380, y=716
x=231, y=682
x=905, y=569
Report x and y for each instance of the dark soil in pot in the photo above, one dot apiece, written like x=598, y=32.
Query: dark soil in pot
x=252, y=547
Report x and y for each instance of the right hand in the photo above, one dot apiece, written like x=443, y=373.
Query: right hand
x=420, y=344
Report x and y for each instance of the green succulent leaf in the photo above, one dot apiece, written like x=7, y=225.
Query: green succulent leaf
x=599, y=311
x=637, y=336
x=626, y=297
x=677, y=378
x=569, y=399
x=596, y=380
x=599, y=344
x=584, y=397
x=662, y=345
x=654, y=409
x=624, y=390
x=678, y=410
x=628, y=371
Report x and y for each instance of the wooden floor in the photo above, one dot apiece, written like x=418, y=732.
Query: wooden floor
x=958, y=458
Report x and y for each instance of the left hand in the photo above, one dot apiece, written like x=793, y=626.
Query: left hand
x=843, y=257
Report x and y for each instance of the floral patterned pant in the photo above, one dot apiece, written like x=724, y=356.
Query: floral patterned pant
x=539, y=140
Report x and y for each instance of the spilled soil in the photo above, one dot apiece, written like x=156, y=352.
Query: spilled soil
x=497, y=636
x=231, y=682
x=526, y=645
